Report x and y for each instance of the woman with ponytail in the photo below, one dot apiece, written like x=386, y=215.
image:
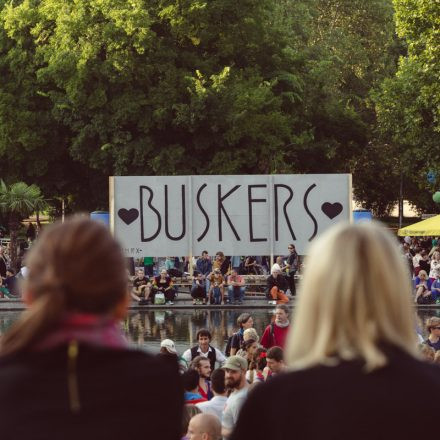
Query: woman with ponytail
x=66, y=370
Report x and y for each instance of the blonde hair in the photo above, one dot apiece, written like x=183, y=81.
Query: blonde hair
x=366, y=301
x=250, y=333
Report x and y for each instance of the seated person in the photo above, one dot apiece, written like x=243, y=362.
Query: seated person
x=11, y=282
x=435, y=288
x=277, y=286
x=164, y=284
x=236, y=287
x=217, y=287
x=4, y=292
x=422, y=289
x=251, y=266
x=141, y=287
x=190, y=381
x=198, y=290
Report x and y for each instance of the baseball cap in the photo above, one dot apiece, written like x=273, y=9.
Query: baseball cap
x=236, y=363
x=169, y=345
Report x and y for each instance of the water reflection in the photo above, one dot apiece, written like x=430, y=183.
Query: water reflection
x=147, y=328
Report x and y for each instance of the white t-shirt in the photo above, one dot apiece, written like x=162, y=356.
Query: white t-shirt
x=215, y=406
x=233, y=407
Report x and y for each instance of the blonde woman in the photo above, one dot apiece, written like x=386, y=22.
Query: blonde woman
x=354, y=364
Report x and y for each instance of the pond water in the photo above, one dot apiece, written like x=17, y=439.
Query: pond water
x=147, y=328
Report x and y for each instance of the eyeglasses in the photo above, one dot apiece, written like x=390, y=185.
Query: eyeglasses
x=290, y=248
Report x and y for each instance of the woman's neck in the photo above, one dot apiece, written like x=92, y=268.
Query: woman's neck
x=433, y=338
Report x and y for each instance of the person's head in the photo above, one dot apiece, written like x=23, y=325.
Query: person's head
x=218, y=381
x=59, y=280
x=433, y=325
x=245, y=321
x=275, y=359
x=276, y=270
x=203, y=337
x=281, y=314
x=189, y=411
x=217, y=271
x=190, y=380
x=279, y=261
x=250, y=333
x=10, y=272
x=168, y=346
x=235, y=372
x=423, y=275
x=220, y=256
x=140, y=273
x=424, y=254
x=436, y=255
x=427, y=352
x=366, y=303
x=205, y=255
x=163, y=273
x=250, y=346
x=291, y=248
x=202, y=365
x=204, y=427
x=199, y=276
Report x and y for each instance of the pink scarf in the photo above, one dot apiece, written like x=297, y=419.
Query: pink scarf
x=95, y=330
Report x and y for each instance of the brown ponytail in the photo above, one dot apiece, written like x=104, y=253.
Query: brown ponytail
x=74, y=266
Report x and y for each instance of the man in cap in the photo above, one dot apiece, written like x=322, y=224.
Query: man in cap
x=168, y=348
x=235, y=379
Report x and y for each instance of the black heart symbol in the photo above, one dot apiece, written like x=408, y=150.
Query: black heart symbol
x=331, y=210
x=128, y=215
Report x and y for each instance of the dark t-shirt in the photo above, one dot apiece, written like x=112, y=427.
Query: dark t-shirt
x=137, y=282
x=346, y=403
x=237, y=340
x=434, y=345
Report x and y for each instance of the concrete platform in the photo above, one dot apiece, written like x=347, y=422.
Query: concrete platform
x=184, y=301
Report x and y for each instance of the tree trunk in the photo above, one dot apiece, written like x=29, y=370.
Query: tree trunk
x=13, y=230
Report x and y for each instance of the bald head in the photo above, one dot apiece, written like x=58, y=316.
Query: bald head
x=204, y=427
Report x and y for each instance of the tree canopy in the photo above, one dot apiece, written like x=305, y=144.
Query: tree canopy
x=93, y=88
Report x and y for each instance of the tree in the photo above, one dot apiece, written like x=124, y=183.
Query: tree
x=18, y=201
x=408, y=104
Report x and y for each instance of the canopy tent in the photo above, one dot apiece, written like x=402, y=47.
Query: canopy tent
x=429, y=227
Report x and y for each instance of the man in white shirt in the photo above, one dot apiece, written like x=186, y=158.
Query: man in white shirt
x=216, y=405
x=204, y=349
x=235, y=379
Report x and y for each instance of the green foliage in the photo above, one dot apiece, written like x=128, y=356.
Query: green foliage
x=408, y=104
x=92, y=88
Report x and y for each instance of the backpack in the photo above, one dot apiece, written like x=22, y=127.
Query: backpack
x=229, y=343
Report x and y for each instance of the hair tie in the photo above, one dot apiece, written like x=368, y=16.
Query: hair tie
x=262, y=355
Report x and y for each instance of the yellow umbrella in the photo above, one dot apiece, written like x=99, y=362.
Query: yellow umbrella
x=428, y=227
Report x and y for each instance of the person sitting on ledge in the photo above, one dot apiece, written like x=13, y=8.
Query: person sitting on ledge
x=277, y=286
x=141, y=288
x=164, y=284
x=198, y=290
x=217, y=287
x=236, y=287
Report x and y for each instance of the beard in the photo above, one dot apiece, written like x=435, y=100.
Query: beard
x=232, y=383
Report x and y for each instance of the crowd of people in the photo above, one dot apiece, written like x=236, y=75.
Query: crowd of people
x=423, y=259
x=213, y=278
x=349, y=367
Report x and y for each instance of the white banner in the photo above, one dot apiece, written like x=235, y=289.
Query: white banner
x=239, y=215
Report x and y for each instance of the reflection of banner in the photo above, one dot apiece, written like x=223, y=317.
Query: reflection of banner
x=239, y=215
